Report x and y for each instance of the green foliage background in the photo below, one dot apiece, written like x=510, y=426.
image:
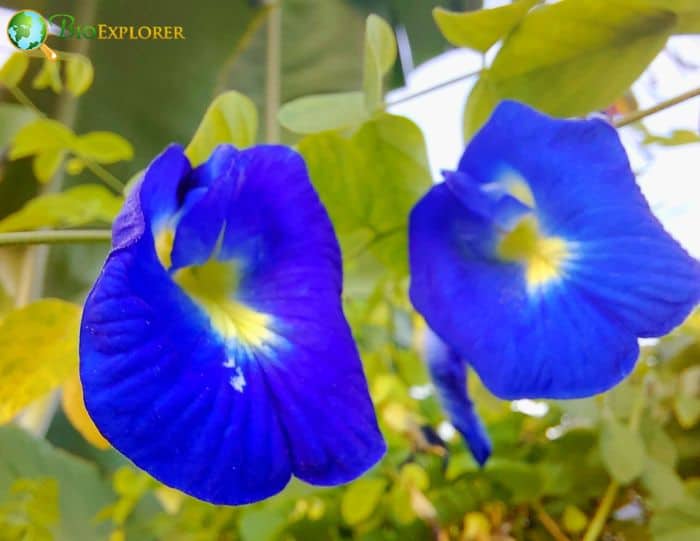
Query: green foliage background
x=625, y=464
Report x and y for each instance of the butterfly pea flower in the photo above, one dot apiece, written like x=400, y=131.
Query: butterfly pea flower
x=539, y=262
x=214, y=350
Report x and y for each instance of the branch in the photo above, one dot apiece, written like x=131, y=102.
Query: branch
x=430, y=89
x=55, y=236
x=549, y=523
x=639, y=115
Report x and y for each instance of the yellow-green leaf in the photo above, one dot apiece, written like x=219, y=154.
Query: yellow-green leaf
x=571, y=58
x=39, y=345
x=675, y=138
x=74, y=408
x=380, y=54
x=79, y=74
x=480, y=30
x=75, y=166
x=41, y=135
x=46, y=163
x=13, y=70
x=322, y=112
x=48, y=77
x=361, y=499
x=13, y=118
x=663, y=483
x=622, y=451
x=80, y=205
x=103, y=147
x=687, y=12
x=231, y=118
x=371, y=181
x=574, y=520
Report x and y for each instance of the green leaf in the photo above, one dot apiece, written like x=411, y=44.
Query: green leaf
x=371, y=181
x=81, y=491
x=39, y=345
x=81, y=205
x=686, y=403
x=48, y=77
x=380, y=54
x=13, y=70
x=41, y=135
x=622, y=451
x=361, y=499
x=103, y=147
x=524, y=481
x=678, y=523
x=687, y=410
x=659, y=445
x=663, y=483
x=79, y=74
x=555, y=58
x=687, y=12
x=31, y=511
x=46, y=163
x=231, y=118
x=13, y=118
x=480, y=30
x=322, y=112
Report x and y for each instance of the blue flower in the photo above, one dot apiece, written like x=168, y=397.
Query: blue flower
x=214, y=350
x=539, y=261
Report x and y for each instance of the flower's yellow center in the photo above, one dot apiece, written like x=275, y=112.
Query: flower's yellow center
x=213, y=286
x=542, y=256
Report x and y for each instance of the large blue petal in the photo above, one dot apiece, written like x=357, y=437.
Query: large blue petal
x=294, y=272
x=623, y=276
x=449, y=374
x=223, y=418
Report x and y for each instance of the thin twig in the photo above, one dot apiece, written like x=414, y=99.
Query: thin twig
x=253, y=26
x=595, y=528
x=55, y=236
x=639, y=115
x=273, y=73
x=433, y=88
x=549, y=523
x=105, y=176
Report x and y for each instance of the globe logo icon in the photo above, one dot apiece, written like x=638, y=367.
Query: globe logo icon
x=27, y=30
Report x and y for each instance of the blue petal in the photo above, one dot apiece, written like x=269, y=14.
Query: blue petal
x=202, y=219
x=228, y=417
x=621, y=276
x=449, y=375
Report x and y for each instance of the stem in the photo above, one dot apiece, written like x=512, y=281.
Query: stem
x=273, y=73
x=605, y=506
x=601, y=514
x=21, y=97
x=376, y=237
x=549, y=523
x=639, y=115
x=435, y=87
x=55, y=236
x=253, y=26
x=105, y=176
